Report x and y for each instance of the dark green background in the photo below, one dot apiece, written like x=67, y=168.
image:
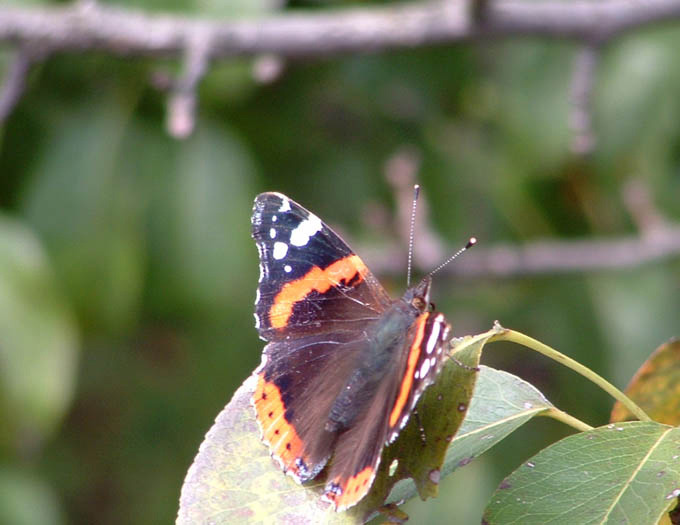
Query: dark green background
x=127, y=273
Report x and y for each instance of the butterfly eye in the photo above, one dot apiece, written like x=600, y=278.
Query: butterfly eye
x=418, y=303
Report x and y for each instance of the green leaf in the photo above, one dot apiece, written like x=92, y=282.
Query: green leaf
x=621, y=473
x=635, y=92
x=198, y=223
x=646, y=296
x=501, y=403
x=38, y=341
x=533, y=111
x=27, y=500
x=441, y=412
x=87, y=209
x=233, y=479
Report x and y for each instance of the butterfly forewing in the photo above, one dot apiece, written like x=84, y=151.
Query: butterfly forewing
x=310, y=280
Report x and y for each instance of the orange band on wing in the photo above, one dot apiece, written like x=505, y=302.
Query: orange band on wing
x=353, y=489
x=413, y=355
x=317, y=280
x=284, y=442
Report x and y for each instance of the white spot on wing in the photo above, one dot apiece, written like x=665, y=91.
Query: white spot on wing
x=285, y=205
x=424, y=368
x=287, y=268
x=280, y=250
x=274, y=218
x=434, y=338
x=272, y=233
x=300, y=236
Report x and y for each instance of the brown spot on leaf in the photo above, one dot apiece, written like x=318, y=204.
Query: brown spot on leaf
x=504, y=485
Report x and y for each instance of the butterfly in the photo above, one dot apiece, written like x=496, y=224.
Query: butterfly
x=344, y=364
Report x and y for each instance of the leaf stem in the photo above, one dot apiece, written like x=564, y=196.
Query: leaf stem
x=565, y=418
x=525, y=340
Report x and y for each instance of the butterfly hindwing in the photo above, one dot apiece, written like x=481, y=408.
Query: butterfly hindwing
x=358, y=451
x=296, y=386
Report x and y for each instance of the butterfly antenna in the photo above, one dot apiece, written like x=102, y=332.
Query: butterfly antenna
x=411, y=235
x=469, y=245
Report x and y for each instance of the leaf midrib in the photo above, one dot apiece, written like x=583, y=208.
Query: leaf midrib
x=634, y=473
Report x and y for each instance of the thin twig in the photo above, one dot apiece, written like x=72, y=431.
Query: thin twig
x=14, y=82
x=125, y=31
x=567, y=419
x=182, y=101
x=637, y=197
x=268, y=68
x=581, y=99
x=537, y=346
x=401, y=173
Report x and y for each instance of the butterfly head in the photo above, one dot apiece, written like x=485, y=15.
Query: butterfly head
x=418, y=296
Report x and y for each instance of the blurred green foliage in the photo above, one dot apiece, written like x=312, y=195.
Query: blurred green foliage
x=127, y=273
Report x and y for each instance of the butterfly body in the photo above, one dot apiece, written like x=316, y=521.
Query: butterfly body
x=344, y=365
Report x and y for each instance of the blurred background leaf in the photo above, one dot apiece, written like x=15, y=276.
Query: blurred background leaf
x=38, y=343
x=27, y=500
x=655, y=387
x=131, y=251
x=87, y=210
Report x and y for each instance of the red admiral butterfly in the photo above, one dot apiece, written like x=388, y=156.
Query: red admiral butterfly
x=345, y=364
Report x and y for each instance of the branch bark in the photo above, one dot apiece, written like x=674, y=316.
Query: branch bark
x=14, y=82
x=581, y=100
x=91, y=26
x=88, y=26
x=543, y=257
x=658, y=239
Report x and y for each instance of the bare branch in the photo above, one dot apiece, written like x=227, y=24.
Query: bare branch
x=88, y=26
x=122, y=31
x=545, y=257
x=401, y=173
x=658, y=239
x=182, y=101
x=637, y=197
x=581, y=99
x=572, y=256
